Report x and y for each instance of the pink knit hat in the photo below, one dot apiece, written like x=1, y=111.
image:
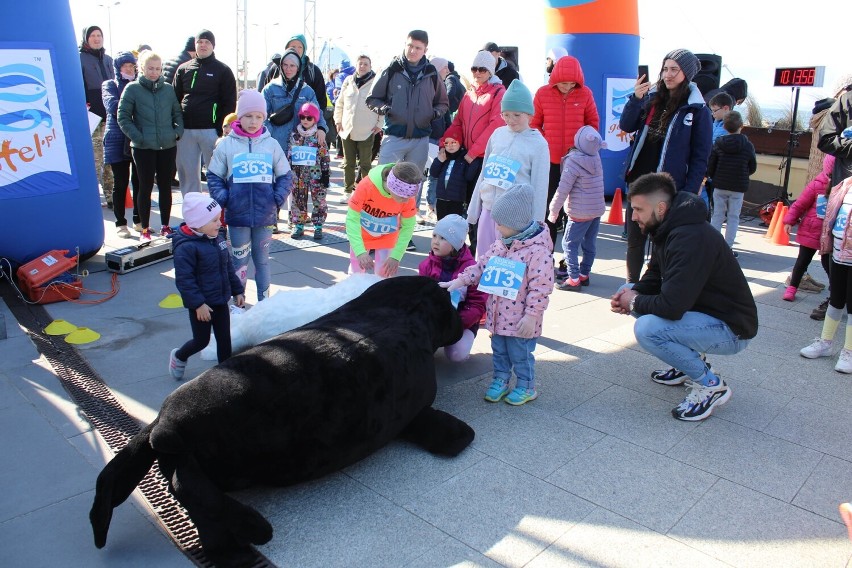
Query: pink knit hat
x=310, y=109
x=250, y=101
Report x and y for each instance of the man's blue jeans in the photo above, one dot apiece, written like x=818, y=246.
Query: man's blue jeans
x=680, y=343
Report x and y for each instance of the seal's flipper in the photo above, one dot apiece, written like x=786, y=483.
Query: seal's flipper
x=226, y=527
x=439, y=432
x=118, y=479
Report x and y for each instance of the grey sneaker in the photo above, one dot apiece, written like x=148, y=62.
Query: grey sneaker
x=844, y=362
x=176, y=366
x=819, y=348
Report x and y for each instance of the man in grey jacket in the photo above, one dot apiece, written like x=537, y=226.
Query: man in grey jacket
x=410, y=95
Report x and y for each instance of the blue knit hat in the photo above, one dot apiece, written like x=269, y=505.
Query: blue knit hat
x=517, y=99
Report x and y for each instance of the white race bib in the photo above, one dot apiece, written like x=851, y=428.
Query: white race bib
x=252, y=167
x=500, y=171
x=502, y=277
x=303, y=156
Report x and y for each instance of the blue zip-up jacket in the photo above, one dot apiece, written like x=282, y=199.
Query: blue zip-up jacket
x=204, y=273
x=253, y=204
x=688, y=140
x=116, y=144
x=462, y=177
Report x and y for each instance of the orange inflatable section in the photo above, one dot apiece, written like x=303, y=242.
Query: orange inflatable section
x=595, y=17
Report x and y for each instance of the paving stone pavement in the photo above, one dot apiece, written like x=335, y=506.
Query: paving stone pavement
x=595, y=472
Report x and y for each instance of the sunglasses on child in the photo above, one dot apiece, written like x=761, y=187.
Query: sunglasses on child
x=305, y=117
x=479, y=69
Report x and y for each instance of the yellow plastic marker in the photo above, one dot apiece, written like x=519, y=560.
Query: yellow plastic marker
x=59, y=327
x=171, y=301
x=82, y=335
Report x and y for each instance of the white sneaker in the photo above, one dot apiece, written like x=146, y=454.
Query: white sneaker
x=819, y=348
x=344, y=199
x=844, y=362
x=123, y=232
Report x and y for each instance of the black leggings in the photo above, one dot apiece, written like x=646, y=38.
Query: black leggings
x=124, y=173
x=151, y=164
x=552, y=185
x=804, y=259
x=840, y=286
x=220, y=322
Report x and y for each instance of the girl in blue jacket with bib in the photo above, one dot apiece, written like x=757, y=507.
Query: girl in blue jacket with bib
x=250, y=178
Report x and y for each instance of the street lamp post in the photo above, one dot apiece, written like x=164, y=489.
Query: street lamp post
x=265, y=39
x=108, y=7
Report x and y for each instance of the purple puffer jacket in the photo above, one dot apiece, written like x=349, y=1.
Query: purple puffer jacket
x=803, y=210
x=503, y=314
x=473, y=306
x=581, y=185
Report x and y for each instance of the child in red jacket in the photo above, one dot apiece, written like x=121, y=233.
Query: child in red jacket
x=449, y=256
x=806, y=213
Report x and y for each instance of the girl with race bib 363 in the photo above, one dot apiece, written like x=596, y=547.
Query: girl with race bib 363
x=250, y=178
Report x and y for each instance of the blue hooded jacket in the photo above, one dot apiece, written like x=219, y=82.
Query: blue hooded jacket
x=204, y=272
x=116, y=144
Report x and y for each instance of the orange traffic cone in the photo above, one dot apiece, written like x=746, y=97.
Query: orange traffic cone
x=780, y=237
x=128, y=199
x=616, y=211
x=776, y=215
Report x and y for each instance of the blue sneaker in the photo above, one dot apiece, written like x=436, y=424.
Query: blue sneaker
x=498, y=389
x=521, y=396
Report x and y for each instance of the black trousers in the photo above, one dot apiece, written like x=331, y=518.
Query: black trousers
x=220, y=323
x=159, y=164
x=124, y=173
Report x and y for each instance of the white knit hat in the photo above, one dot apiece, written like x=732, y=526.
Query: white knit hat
x=199, y=209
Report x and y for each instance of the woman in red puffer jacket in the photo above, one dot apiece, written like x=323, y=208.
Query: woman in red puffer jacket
x=562, y=107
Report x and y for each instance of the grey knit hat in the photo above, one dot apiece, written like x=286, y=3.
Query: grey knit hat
x=686, y=60
x=484, y=59
x=514, y=209
x=453, y=228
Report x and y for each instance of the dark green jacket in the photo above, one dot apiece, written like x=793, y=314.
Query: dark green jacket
x=149, y=114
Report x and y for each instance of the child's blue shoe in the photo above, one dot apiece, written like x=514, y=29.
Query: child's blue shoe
x=498, y=389
x=521, y=396
x=561, y=270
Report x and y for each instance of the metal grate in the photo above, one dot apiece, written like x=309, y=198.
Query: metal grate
x=112, y=422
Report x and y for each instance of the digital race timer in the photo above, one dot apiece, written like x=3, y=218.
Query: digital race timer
x=799, y=76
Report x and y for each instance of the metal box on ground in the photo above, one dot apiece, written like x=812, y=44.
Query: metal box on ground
x=135, y=257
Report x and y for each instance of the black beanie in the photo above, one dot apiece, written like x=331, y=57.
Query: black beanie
x=88, y=31
x=206, y=34
x=190, y=44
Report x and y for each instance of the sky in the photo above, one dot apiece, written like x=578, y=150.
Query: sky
x=759, y=36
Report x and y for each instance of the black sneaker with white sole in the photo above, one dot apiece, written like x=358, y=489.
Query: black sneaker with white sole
x=673, y=377
x=701, y=400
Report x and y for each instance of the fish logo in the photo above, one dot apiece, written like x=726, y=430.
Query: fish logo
x=23, y=98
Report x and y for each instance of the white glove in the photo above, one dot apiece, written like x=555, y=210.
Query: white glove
x=526, y=327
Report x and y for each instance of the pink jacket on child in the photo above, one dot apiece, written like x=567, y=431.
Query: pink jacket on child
x=835, y=202
x=473, y=306
x=503, y=314
x=803, y=210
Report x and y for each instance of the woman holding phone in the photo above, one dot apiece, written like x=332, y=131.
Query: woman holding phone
x=673, y=133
